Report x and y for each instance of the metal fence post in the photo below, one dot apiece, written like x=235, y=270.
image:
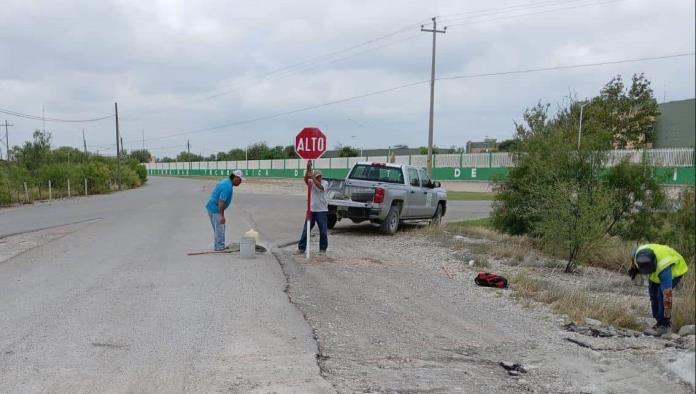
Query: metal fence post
x=68, y=187
x=86, y=187
x=50, y=191
x=26, y=193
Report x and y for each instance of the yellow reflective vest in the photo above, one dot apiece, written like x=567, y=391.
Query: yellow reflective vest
x=666, y=257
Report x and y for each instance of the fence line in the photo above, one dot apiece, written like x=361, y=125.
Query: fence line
x=673, y=157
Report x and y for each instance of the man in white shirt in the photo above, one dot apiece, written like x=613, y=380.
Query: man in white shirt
x=319, y=208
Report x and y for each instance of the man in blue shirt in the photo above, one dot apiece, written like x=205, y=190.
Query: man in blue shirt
x=220, y=199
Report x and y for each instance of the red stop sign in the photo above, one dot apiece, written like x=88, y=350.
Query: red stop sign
x=310, y=143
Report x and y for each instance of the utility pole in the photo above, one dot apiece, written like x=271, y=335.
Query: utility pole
x=432, y=93
x=188, y=149
x=43, y=118
x=84, y=141
x=143, y=139
x=7, y=140
x=118, y=147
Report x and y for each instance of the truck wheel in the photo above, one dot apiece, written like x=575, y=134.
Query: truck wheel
x=437, y=218
x=332, y=221
x=390, y=225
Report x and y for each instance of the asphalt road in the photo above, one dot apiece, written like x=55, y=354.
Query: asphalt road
x=115, y=304
x=98, y=295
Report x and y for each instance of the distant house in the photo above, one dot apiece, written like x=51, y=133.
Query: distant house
x=488, y=145
x=676, y=125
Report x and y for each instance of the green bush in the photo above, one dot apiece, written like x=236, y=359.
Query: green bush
x=139, y=169
x=98, y=177
x=129, y=178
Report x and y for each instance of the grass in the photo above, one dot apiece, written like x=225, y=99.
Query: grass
x=470, y=196
x=576, y=303
x=684, y=307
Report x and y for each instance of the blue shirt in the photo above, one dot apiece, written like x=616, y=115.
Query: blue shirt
x=222, y=191
x=666, y=279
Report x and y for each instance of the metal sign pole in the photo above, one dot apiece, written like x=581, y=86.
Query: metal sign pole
x=309, y=209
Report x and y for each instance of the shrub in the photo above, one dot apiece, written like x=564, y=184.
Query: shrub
x=98, y=176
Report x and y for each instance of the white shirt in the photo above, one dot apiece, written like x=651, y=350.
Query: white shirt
x=319, y=202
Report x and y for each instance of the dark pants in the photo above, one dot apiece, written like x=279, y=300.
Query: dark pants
x=322, y=219
x=656, y=301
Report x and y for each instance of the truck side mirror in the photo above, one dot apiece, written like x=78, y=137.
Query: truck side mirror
x=435, y=184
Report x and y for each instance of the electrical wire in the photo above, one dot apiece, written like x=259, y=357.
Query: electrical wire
x=502, y=10
x=34, y=117
x=508, y=17
x=416, y=83
x=566, y=67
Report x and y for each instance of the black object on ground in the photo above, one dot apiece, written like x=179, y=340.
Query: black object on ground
x=513, y=369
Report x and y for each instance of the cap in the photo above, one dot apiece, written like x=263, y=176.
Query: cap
x=239, y=174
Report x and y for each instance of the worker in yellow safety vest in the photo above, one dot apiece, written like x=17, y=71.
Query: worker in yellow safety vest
x=665, y=267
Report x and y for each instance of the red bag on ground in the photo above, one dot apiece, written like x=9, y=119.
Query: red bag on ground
x=491, y=280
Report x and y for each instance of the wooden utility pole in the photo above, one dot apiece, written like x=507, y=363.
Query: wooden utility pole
x=432, y=94
x=7, y=139
x=118, y=147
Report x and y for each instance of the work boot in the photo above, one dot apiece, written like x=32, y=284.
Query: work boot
x=658, y=330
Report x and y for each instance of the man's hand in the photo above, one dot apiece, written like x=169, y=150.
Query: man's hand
x=632, y=272
x=222, y=220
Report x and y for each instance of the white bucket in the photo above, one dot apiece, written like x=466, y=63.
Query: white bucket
x=247, y=247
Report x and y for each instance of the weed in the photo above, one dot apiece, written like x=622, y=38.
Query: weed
x=576, y=303
x=685, y=301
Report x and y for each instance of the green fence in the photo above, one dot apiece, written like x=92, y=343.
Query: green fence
x=671, y=176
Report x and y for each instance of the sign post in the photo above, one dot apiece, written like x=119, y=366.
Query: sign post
x=310, y=144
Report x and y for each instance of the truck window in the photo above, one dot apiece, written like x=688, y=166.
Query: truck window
x=413, y=177
x=425, y=179
x=377, y=173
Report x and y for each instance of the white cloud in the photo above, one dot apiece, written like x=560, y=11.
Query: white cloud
x=161, y=59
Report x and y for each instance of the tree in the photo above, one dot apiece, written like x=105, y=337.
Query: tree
x=424, y=150
x=348, y=151
x=567, y=197
x=259, y=151
x=508, y=145
x=535, y=122
x=629, y=114
x=186, y=157
x=33, y=155
x=142, y=156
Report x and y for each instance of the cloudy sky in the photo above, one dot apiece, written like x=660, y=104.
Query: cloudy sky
x=226, y=74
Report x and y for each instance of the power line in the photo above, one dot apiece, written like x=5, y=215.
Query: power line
x=407, y=85
x=567, y=67
x=502, y=10
x=314, y=60
x=35, y=117
x=534, y=13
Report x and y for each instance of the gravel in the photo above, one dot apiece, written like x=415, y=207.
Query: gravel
x=402, y=314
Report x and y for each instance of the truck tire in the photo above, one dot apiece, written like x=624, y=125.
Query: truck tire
x=437, y=218
x=390, y=225
x=332, y=221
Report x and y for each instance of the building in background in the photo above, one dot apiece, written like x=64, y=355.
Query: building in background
x=488, y=145
x=676, y=125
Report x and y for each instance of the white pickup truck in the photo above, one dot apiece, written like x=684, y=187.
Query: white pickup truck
x=386, y=194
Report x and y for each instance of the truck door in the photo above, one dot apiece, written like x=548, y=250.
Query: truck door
x=430, y=203
x=415, y=196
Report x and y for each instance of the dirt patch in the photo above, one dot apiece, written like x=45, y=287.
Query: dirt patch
x=382, y=324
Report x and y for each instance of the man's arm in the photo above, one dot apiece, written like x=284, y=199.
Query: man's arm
x=221, y=209
x=318, y=184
